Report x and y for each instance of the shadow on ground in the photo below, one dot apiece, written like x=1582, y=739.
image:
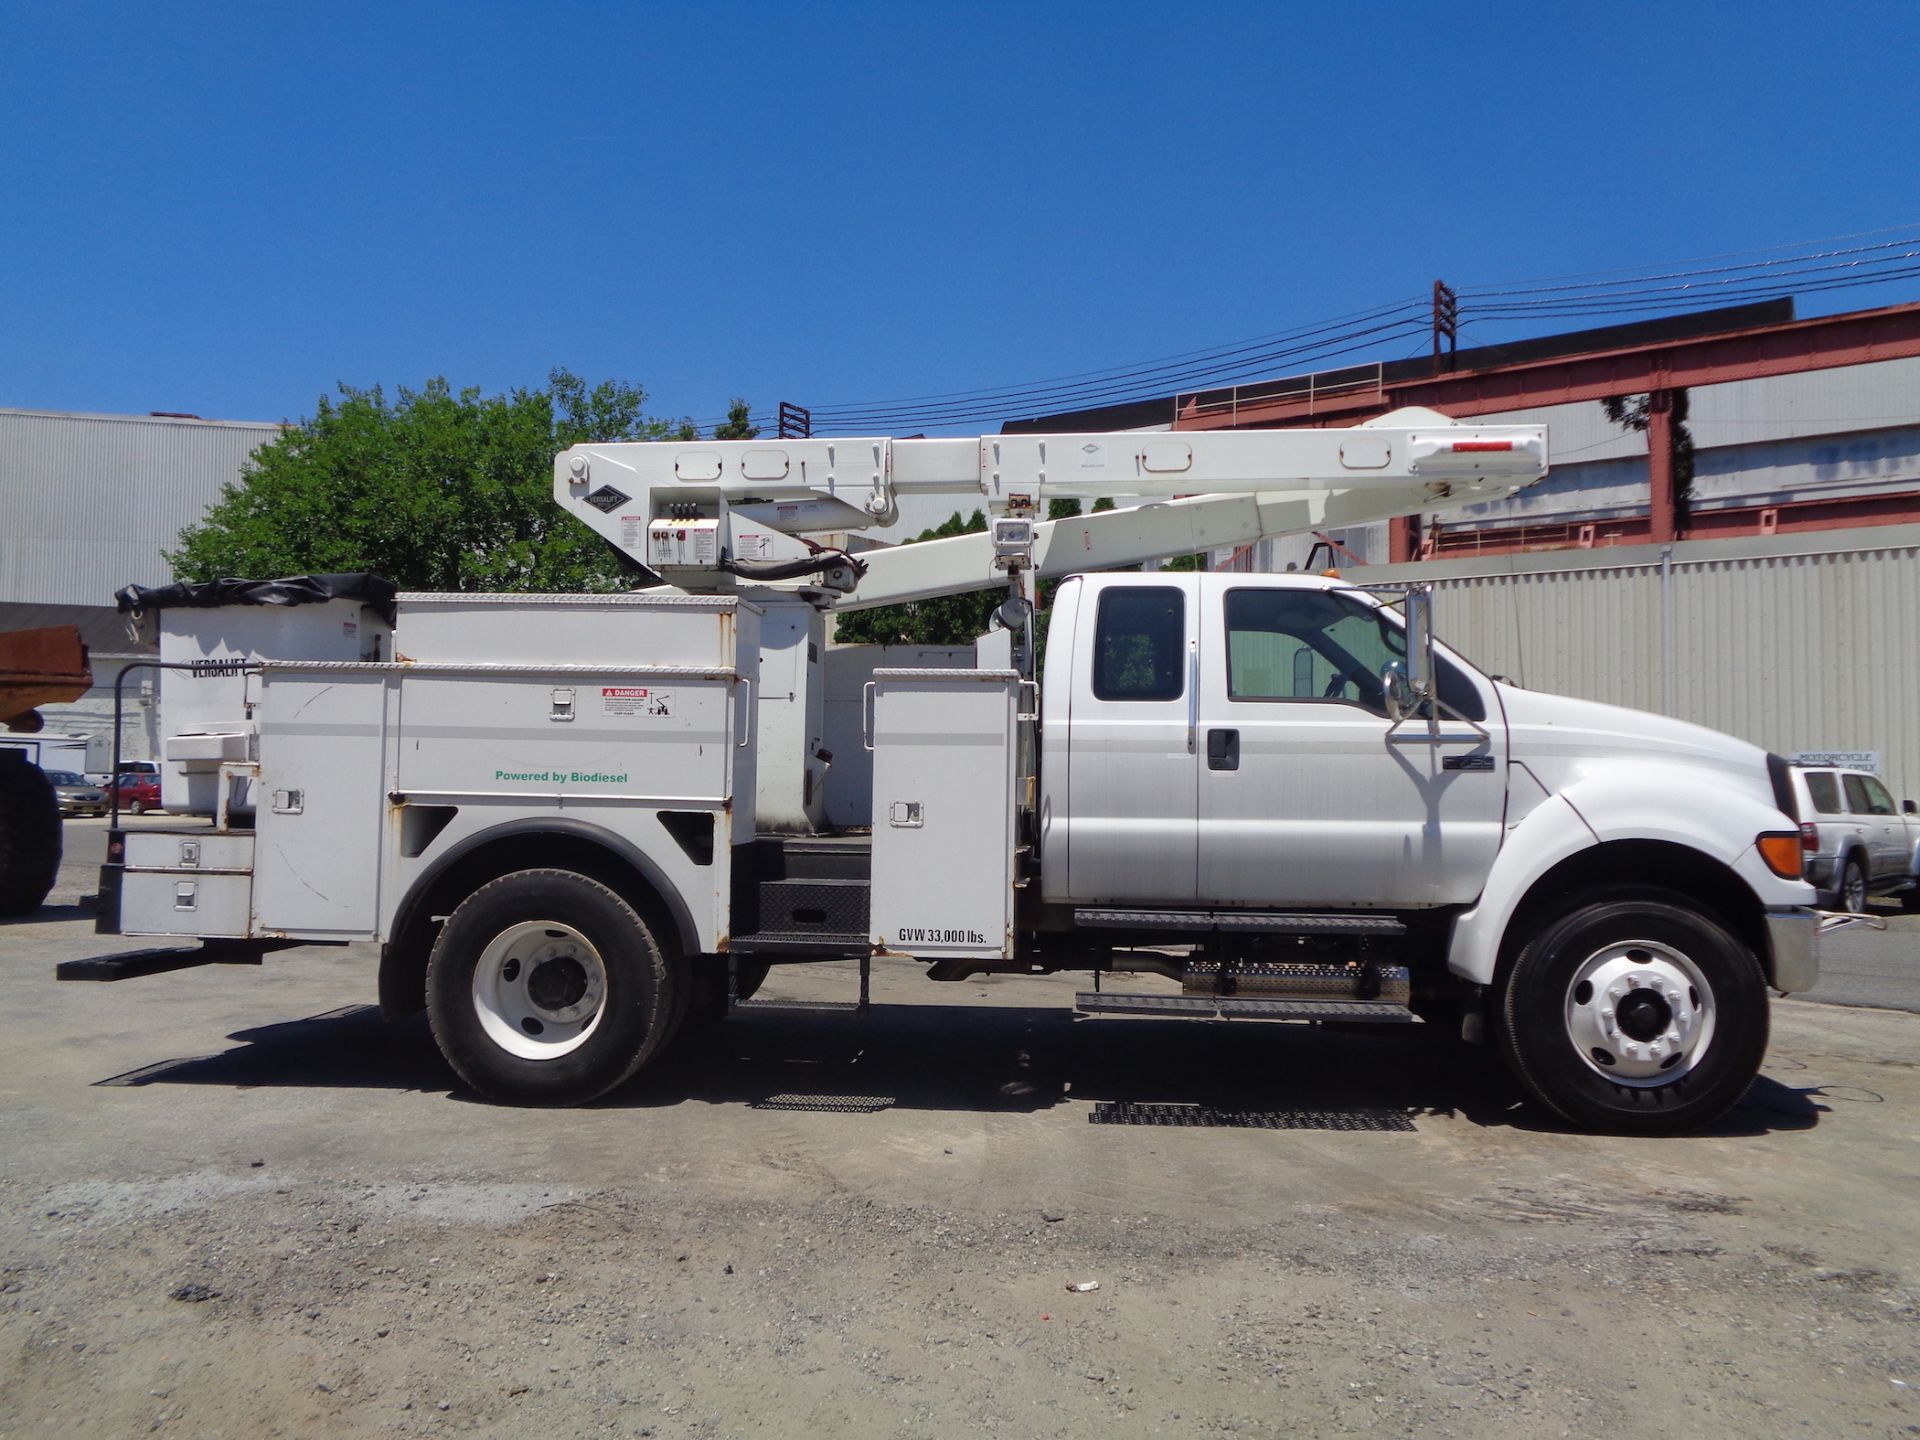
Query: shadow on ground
x=50, y=914
x=956, y=1057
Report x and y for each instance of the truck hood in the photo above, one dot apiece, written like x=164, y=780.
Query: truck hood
x=1562, y=740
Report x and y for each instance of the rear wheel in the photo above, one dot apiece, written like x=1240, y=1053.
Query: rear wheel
x=30, y=835
x=1853, y=887
x=136, y=807
x=1634, y=1013
x=546, y=987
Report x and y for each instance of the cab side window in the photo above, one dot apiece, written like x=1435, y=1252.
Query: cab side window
x=1139, y=644
x=1304, y=645
x=1285, y=644
x=1867, y=796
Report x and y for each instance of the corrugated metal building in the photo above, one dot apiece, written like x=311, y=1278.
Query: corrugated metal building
x=87, y=504
x=1795, y=642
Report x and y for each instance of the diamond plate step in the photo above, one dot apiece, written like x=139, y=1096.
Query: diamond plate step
x=1262, y=980
x=1093, y=1002
x=1244, y=922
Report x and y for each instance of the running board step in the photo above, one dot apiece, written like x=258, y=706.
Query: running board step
x=1244, y=922
x=827, y=946
x=1258, y=980
x=823, y=1007
x=136, y=964
x=1230, y=1007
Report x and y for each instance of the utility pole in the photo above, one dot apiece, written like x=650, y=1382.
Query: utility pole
x=1446, y=321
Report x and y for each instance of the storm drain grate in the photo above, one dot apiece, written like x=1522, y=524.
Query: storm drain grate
x=826, y=1104
x=1122, y=1112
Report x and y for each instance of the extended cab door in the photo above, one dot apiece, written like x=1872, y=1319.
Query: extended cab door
x=1131, y=836
x=1309, y=796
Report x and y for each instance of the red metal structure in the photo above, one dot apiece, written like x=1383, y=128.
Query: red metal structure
x=1655, y=368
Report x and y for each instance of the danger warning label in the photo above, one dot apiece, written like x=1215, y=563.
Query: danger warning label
x=635, y=700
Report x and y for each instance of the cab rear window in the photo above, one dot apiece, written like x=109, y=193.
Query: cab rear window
x=1138, y=644
x=1824, y=792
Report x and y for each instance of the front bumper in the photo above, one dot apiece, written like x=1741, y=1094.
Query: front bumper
x=1793, y=945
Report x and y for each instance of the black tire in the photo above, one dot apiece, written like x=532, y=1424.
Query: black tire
x=1633, y=939
x=1910, y=898
x=1851, y=894
x=30, y=835
x=708, y=983
x=600, y=958
x=136, y=807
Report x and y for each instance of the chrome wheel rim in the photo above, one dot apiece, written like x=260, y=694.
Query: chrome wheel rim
x=1854, y=895
x=539, y=989
x=1639, y=1013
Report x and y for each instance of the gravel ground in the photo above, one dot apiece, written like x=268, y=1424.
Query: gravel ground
x=235, y=1203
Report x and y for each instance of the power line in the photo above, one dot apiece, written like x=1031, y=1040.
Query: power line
x=1807, y=270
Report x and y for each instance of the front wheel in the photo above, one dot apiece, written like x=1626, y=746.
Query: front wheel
x=545, y=987
x=1634, y=1013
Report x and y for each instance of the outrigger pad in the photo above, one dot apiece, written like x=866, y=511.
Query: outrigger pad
x=374, y=590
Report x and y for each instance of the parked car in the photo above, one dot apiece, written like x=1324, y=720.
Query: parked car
x=76, y=794
x=138, y=793
x=1858, y=843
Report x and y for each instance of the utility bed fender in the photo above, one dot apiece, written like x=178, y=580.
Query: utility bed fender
x=1674, y=805
x=533, y=828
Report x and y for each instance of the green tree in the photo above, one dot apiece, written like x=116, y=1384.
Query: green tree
x=435, y=489
x=1634, y=412
x=737, y=426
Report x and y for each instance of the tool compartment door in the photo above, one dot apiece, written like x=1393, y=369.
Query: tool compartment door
x=322, y=801
x=944, y=762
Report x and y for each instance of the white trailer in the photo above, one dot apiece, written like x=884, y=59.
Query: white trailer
x=576, y=824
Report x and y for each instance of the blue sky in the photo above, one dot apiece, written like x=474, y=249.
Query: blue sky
x=228, y=209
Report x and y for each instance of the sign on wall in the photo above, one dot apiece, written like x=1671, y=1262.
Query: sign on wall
x=1868, y=760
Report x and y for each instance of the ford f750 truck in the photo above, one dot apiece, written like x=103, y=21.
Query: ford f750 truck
x=575, y=824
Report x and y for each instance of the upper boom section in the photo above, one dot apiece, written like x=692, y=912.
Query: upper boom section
x=698, y=513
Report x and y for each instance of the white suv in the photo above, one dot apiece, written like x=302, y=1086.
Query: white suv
x=1858, y=843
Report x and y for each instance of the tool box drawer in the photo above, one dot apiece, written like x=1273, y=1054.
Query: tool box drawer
x=198, y=850
x=180, y=902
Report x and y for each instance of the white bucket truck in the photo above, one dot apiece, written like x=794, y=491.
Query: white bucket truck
x=577, y=823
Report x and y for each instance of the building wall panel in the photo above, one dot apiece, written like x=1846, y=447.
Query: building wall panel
x=87, y=502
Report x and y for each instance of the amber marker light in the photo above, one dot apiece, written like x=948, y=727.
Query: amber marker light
x=1783, y=853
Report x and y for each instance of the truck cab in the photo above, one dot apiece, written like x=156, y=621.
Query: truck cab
x=1224, y=757
x=1225, y=740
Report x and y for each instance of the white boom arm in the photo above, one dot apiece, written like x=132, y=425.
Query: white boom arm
x=703, y=514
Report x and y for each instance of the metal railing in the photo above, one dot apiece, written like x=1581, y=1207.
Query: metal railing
x=198, y=667
x=1321, y=388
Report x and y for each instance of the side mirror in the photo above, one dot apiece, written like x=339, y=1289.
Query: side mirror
x=1397, y=691
x=1420, y=641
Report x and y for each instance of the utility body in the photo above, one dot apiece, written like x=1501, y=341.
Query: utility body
x=579, y=824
